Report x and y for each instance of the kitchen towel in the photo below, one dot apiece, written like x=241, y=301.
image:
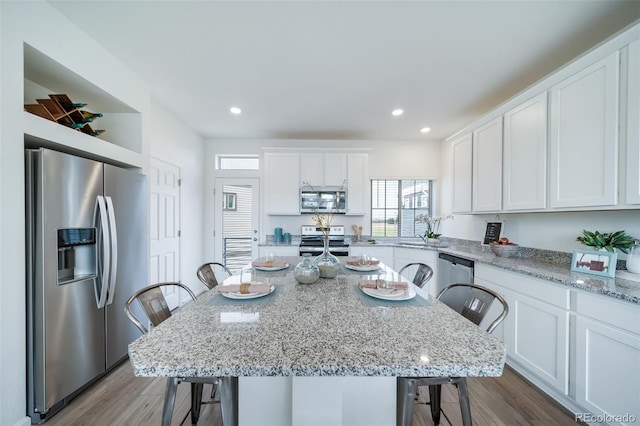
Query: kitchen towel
x=244, y=288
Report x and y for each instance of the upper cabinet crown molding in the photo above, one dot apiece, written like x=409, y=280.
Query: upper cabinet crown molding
x=525, y=155
x=487, y=167
x=584, y=137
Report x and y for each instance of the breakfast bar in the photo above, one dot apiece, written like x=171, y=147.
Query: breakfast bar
x=323, y=353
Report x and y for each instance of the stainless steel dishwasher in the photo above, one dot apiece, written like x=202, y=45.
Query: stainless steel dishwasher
x=453, y=269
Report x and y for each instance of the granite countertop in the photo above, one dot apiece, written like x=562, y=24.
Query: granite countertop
x=321, y=329
x=544, y=264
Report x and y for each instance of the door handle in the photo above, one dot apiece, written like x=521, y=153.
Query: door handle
x=255, y=239
x=100, y=215
x=113, y=246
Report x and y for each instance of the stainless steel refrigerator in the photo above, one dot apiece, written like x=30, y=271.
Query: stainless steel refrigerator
x=86, y=254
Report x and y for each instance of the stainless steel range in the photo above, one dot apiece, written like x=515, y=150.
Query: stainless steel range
x=312, y=241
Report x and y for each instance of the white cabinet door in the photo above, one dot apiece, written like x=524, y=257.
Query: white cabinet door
x=282, y=183
x=525, y=155
x=540, y=339
x=462, y=174
x=633, y=125
x=487, y=167
x=335, y=169
x=357, y=184
x=312, y=168
x=607, y=369
x=584, y=137
x=320, y=169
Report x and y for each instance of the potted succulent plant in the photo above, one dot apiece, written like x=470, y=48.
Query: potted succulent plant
x=609, y=241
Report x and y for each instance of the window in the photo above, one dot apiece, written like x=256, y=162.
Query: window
x=238, y=162
x=395, y=205
x=229, y=199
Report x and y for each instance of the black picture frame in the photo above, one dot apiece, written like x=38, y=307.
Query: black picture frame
x=493, y=232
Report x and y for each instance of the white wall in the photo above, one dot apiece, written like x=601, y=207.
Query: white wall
x=550, y=230
x=43, y=27
x=387, y=159
x=175, y=143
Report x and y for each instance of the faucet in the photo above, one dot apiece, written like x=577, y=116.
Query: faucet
x=424, y=240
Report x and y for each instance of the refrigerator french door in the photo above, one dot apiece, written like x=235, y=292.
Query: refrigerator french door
x=86, y=254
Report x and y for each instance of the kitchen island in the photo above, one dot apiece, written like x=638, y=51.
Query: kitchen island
x=322, y=353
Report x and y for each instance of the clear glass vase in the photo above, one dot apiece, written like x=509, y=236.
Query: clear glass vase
x=306, y=272
x=328, y=264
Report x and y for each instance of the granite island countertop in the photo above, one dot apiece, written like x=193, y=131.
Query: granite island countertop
x=322, y=329
x=547, y=265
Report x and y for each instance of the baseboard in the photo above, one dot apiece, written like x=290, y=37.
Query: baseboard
x=26, y=421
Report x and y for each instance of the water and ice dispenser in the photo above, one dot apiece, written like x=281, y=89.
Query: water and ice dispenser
x=77, y=258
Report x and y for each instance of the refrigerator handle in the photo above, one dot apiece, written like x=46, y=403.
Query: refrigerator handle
x=113, y=248
x=101, y=209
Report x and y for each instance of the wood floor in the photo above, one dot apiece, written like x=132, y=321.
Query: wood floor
x=122, y=399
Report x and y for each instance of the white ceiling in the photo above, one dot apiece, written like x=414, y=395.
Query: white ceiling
x=336, y=69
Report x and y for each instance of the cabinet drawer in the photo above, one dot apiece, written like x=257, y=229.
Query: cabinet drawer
x=623, y=315
x=545, y=291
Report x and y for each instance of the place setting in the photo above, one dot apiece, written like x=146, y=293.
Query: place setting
x=387, y=290
x=270, y=263
x=362, y=263
x=244, y=287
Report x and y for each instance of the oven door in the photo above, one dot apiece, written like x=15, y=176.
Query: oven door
x=317, y=250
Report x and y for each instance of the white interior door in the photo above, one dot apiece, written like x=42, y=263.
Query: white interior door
x=164, y=210
x=236, y=219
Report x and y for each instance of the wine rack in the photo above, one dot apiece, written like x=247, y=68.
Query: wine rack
x=60, y=109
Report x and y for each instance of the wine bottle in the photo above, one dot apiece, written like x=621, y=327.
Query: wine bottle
x=87, y=114
x=96, y=132
x=78, y=105
x=77, y=125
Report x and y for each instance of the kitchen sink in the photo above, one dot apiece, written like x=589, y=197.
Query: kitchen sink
x=413, y=243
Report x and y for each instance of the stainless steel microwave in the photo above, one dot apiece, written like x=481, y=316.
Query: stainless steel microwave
x=326, y=199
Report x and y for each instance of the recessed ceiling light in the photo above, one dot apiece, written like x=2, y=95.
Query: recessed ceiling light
x=397, y=112
x=235, y=110
x=425, y=130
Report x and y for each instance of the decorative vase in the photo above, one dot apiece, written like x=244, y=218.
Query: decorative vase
x=328, y=264
x=433, y=241
x=306, y=272
x=633, y=259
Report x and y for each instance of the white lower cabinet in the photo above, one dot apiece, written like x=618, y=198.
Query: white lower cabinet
x=536, y=331
x=383, y=253
x=540, y=339
x=581, y=348
x=608, y=358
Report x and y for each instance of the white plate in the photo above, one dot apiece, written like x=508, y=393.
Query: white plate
x=362, y=268
x=390, y=295
x=271, y=268
x=247, y=295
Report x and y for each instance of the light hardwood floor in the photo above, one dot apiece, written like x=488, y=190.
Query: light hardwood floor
x=119, y=398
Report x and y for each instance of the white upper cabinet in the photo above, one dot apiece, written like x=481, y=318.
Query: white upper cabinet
x=487, y=167
x=335, y=169
x=462, y=175
x=321, y=169
x=312, y=168
x=633, y=125
x=584, y=137
x=357, y=183
x=525, y=155
x=282, y=183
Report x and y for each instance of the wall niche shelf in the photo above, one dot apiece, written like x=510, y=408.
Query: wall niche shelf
x=44, y=76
